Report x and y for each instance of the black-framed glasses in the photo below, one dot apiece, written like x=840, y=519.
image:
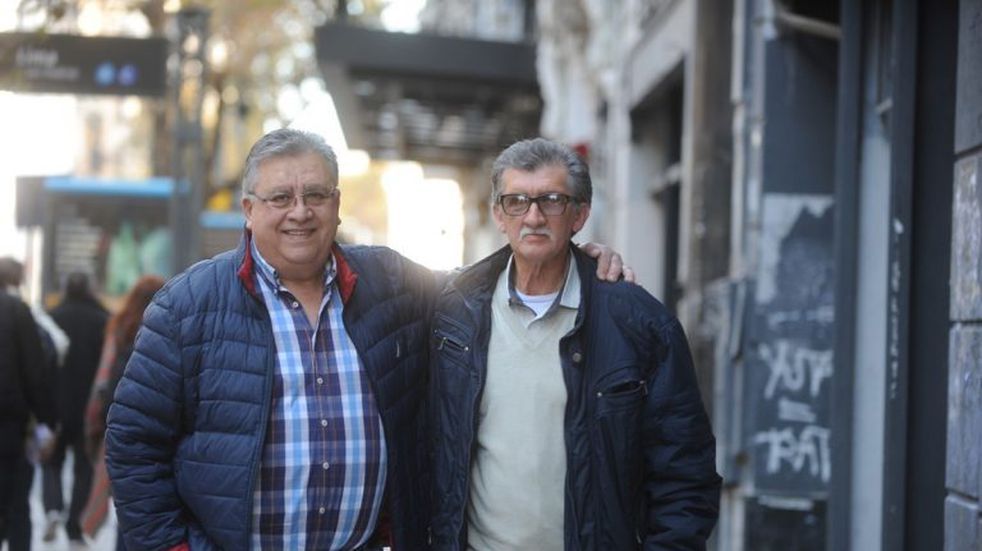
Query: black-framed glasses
x=550, y=204
x=286, y=199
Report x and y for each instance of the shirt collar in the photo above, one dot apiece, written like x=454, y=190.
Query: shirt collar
x=271, y=277
x=569, y=294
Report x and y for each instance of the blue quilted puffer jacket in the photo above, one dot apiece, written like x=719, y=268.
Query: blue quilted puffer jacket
x=186, y=429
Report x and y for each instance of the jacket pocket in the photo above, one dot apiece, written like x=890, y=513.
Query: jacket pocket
x=450, y=344
x=622, y=389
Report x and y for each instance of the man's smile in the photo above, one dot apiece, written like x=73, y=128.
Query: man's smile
x=299, y=233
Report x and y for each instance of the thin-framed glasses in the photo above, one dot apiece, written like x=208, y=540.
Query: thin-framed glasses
x=550, y=204
x=287, y=199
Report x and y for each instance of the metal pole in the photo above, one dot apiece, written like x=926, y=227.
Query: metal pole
x=847, y=190
x=807, y=25
x=775, y=13
x=904, y=68
x=189, y=68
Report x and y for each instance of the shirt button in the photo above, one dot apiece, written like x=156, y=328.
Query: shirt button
x=323, y=422
x=326, y=465
x=322, y=510
x=577, y=357
x=320, y=380
x=296, y=304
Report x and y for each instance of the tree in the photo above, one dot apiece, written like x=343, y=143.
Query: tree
x=249, y=70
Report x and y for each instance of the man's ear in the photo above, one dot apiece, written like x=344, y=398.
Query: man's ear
x=247, y=205
x=582, y=213
x=337, y=205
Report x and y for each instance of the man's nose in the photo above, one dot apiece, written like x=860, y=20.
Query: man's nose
x=299, y=208
x=534, y=216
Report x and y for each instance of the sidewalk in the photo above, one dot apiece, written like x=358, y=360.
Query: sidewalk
x=105, y=539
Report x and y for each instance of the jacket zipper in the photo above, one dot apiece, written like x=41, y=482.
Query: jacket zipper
x=566, y=367
x=448, y=342
x=569, y=498
x=481, y=364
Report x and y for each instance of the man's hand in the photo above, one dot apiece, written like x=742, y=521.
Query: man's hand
x=610, y=265
x=47, y=440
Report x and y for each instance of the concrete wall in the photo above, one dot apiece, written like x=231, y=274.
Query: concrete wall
x=963, y=523
x=963, y=505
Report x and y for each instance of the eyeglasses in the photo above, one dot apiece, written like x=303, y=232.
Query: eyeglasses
x=285, y=199
x=550, y=204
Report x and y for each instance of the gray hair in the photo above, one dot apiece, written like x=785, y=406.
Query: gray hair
x=286, y=142
x=531, y=155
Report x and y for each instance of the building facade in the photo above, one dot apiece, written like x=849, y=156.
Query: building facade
x=799, y=182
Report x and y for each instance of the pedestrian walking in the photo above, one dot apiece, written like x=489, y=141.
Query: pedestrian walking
x=23, y=394
x=83, y=318
x=54, y=341
x=28, y=425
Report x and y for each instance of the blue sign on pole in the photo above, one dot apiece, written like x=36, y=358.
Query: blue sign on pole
x=59, y=63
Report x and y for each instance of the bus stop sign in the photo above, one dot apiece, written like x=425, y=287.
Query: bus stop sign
x=69, y=64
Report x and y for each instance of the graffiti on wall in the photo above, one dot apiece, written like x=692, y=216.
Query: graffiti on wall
x=790, y=360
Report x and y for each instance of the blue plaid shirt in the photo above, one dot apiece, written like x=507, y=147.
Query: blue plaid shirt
x=323, y=462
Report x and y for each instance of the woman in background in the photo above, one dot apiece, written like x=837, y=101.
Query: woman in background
x=120, y=335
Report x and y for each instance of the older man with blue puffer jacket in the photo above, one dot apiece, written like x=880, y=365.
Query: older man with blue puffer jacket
x=273, y=398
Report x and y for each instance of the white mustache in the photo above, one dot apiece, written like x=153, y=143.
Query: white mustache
x=534, y=231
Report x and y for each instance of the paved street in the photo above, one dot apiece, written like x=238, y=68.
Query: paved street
x=105, y=540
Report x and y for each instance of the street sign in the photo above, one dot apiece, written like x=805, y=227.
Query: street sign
x=59, y=63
